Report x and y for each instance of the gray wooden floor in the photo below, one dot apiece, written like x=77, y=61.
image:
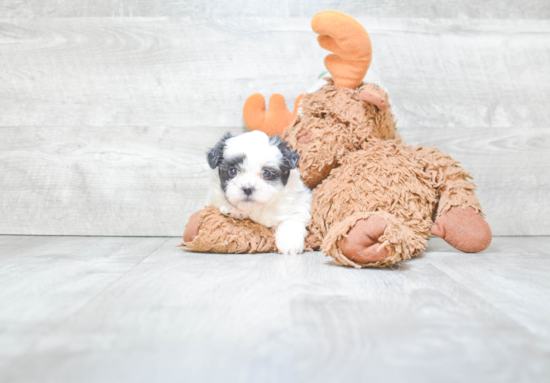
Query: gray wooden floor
x=115, y=309
x=107, y=108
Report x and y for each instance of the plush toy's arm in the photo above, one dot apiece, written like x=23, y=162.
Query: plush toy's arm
x=459, y=217
x=209, y=231
x=451, y=181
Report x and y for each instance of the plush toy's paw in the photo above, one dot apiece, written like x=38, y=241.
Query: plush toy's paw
x=463, y=229
x=230, y=211
x=375, y=95
x=209, y=231
x=361, y=244
x=192, y=227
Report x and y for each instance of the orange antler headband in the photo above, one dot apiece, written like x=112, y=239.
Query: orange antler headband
x=350, y=44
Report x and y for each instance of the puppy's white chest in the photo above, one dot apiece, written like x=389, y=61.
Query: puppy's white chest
x=265, y=217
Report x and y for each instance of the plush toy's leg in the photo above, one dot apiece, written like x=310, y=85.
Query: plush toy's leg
x=361, y=244
x=463, y=229
x=209, y=231
x=374, y=239
x=459, y=219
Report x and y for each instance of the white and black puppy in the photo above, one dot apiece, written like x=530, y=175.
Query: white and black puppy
x=255, y=177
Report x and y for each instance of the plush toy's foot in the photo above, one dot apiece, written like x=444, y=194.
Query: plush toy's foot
x=361, y=245
x=209, y=231
x=192, y=228
x=373, y=239
x=375, y=95
x=464, y=229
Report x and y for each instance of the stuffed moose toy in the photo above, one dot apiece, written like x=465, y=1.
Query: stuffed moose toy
x=375, y=200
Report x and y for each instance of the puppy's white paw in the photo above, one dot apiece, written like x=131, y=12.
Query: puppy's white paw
x=230, y=211
x=290, y=248
x=290, y=239
x=225, y=210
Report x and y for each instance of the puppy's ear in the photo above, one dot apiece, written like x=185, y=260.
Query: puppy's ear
x=290, y=157
x=215, y=155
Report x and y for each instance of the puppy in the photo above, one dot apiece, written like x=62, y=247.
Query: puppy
x=255, y=177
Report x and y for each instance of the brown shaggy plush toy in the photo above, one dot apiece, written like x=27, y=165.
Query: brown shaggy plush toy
x=375, y=199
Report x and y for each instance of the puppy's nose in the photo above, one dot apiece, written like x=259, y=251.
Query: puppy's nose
x=248, y=190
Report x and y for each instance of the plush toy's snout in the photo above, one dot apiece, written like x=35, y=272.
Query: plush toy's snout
x=375, y=95
x=304, y=137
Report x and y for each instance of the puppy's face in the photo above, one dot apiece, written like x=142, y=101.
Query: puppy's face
x=253, y=168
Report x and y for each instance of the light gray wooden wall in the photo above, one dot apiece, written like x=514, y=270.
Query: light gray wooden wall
x=107, y=107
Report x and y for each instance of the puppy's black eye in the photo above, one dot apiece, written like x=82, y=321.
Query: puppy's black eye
x=266, y=174
x=233, y=171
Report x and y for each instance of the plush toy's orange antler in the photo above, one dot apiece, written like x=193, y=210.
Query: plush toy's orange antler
x=350, y=43
x=272, y=122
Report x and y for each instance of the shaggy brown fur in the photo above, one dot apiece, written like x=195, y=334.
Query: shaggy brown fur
x=337, y=122
x=220, y=234
x=383, y=176
x=358, y=167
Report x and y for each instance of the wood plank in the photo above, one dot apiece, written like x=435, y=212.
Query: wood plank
x=45, y=280
x=102, y=181
x=416, y=323
x=148, y=181
x=206, y=317
x=197, y=72
x=8, y=242
x=538, y=9
x=516, y=284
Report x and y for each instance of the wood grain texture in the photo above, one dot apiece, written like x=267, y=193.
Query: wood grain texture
x=179, y=316
x=46, y=280
x=197, y=72
x=103, y=181
x=148, y=181
x=518, y=289
x=105, y=121
x=536, y=9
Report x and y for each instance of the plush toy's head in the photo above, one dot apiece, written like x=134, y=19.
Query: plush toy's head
x=332, y=123
x=340, y=116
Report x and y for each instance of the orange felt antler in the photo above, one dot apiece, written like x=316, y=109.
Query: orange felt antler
x=350, y=43
x=272, y=122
